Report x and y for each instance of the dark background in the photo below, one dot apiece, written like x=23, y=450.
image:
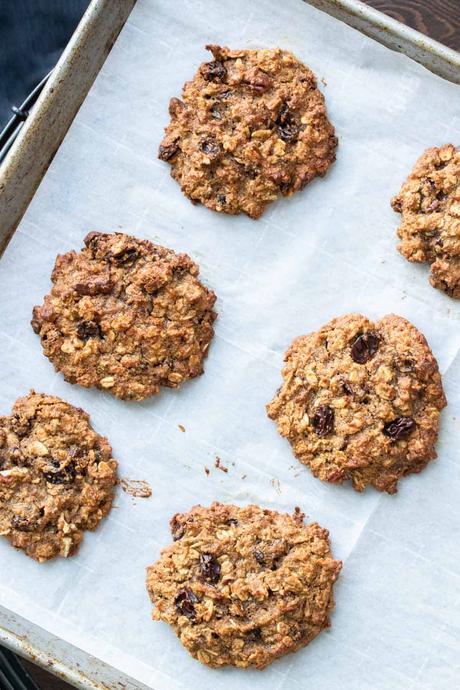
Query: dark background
x=33, y=33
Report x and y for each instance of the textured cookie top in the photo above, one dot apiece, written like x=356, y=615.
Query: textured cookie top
x=243, y=586
x=429, y=202
x=361, y=401
x=57, y=476
x=252, y=126
x=127, y=316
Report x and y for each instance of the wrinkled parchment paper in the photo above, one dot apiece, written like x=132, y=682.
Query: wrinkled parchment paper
x=324, y=252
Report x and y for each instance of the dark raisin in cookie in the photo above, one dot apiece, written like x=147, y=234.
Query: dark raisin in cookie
x=429, y=202
x=361, y=401
x=57, y=476
x=252, y=126
x=127, y=316
x=243, y=586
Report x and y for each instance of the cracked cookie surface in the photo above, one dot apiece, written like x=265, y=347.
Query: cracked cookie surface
x=57, y=476
x=127, y=316
x=243, y=586
x=251, y=126
x=361, y=401
x=429, y=202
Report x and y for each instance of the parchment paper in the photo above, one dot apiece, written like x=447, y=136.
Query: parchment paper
x=326, y=251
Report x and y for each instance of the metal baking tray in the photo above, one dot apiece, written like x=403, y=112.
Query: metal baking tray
x=22, y=172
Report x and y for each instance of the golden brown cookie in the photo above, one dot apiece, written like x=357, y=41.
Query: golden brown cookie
x=361, y=401
x=57, y=476
x=429, y=202
x=243, y=586
x=251, y=126
x=127, y=316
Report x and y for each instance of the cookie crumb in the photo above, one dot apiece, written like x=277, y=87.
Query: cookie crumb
x=276, y=485
x=206, y=470
x=219, y=466
x=181, y=428
x=138, y=488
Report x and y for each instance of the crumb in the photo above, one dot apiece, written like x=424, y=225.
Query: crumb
x=244, y=476
x=181, y=427
x=206, y=471
x=276, y=485
x=219, y=465
x=298, y=514
x=323, y=81
x=138, y=488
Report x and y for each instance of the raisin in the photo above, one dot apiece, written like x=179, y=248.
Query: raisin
x=126, y=256
x=185, y=603
x=407, y=366
x=210, y=148
x=221, y=199
x=210, y=567
x=287, y=127
x=178, y=533
x=399, y=428
x=429, y=182
x=280, y=177
x=323, y=420
x=168, y=151
x=364, y=347
x=216, y=112
x=255, y=635
x=397, y=205
x=258, y=555
x=95, y=285
x=22, y=524
x=88, y=329
x=347, y=389
x=60, y=475
x=441, y=165
x=214, y=71
x=91, y=239
x=175, y=106
x=434, y=205
x=259, y=83
x=231, y=521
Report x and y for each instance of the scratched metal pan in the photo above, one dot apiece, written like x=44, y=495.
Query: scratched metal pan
x=21, y=173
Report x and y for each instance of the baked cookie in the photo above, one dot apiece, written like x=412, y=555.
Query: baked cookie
x=57, y=476
x=429, y=202
x=361, y=401
x=127, y=316
x=243, y=586
x=251, y=126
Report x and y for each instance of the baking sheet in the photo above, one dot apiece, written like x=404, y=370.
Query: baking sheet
x=326, y=251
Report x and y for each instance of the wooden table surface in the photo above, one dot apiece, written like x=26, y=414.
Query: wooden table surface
x=439, y=19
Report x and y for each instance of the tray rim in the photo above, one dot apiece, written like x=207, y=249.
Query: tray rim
x=39, y=139
x=28, y=639
x=435, y=56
